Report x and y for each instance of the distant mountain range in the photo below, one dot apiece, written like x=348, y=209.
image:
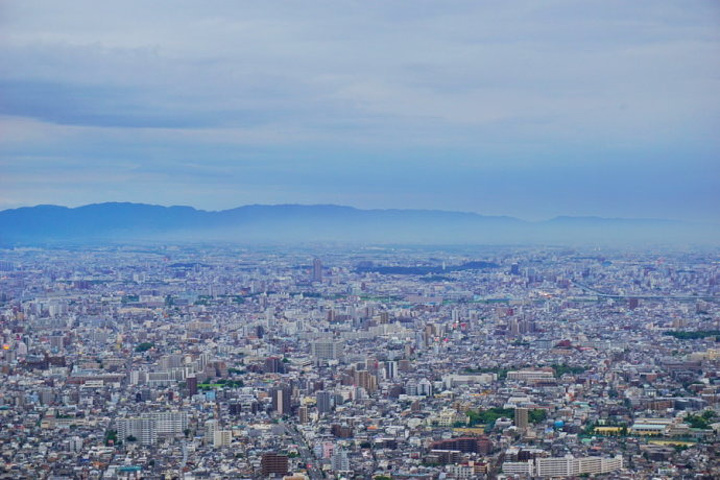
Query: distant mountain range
x=131, y=222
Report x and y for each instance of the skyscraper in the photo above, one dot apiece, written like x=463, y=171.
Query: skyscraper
x=211, y=426
x=391, y=368
x=521, y=418
x=192, y=384
x=317, y=270
x=303, y=416
x=281, y=399
x=323, y=400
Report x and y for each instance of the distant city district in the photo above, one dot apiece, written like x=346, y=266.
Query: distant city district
x=327, y=362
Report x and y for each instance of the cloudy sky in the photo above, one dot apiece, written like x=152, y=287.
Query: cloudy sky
x=524, y=108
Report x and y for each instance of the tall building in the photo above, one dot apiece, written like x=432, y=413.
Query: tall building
x=391, y=368
x=521, y=418
x=327, y=350
x=317, y=270
x=143, y=430
x=273, y=365
x=222, y=438
x=273, y=463
x=211, y=426
x=169, y=423
x=192, y=385
x=303, y=416
x=56, y=343
x=425, y=387
x=323, y=400
x=366, y=380
x=339, y=461
x=281, y=399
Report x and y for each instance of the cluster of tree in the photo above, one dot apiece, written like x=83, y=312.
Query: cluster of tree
x=221, y=383
x=489, y=416
x=701, y=421
x=692, y=335
x=561, y=370
x=111, y=436
x=486, y=417
x=144, y=347
x=537, y=415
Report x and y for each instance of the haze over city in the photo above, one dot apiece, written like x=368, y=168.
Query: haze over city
x=344, y=240
x=513, y=108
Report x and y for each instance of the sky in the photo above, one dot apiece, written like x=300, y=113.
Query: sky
x=522, y=108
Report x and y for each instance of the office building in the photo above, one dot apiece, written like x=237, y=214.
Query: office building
x=142, y=430
x=521, y=418
x=272, y=463
x=281, y=399
x=327, y=350
x=317, y=270
x=222, y=438
x=324, y=401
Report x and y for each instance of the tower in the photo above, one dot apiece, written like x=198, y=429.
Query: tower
x=323, y=400
x=281, y=399
x=317, y=270
x=192, y=385
x=521, y=418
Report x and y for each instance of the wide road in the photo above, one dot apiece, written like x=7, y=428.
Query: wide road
x=306, y=454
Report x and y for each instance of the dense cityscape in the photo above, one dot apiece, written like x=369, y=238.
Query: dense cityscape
x=352, y=240
x=228, y=362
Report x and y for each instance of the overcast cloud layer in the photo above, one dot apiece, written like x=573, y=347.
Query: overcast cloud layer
x=524, y=108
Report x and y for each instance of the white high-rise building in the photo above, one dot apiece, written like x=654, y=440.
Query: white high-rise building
x=339, y=461
x=211, y=426
x=169, y=423
x=222, y=438
x=143, y=430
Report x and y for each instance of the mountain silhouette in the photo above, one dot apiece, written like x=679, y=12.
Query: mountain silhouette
x=129, y=222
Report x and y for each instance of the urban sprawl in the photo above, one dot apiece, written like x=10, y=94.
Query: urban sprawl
x=226, y=362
